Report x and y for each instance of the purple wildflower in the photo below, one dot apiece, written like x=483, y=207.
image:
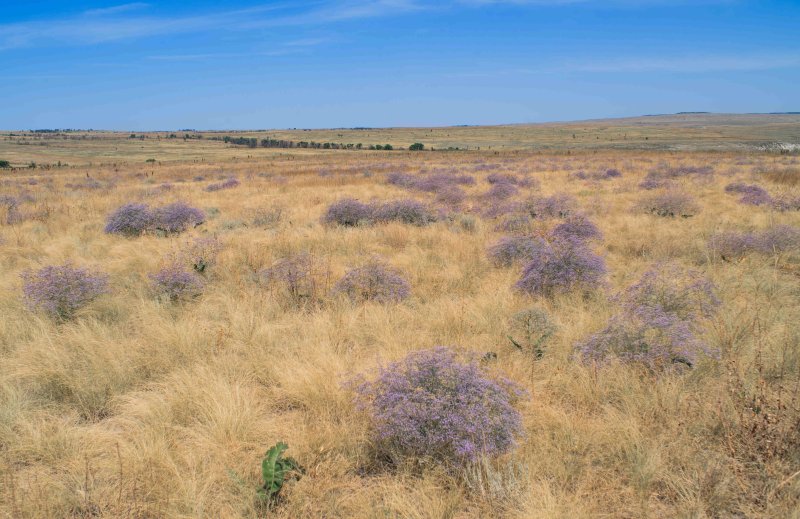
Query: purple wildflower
x=347, y=212
x=177, y=283
x=61, y=290
x=670, y=204
x=178, y=217
x=228, y=183
x=577, y=226
x=430, y=405
x=406, y=211
x=130, y=220
x=562, y=265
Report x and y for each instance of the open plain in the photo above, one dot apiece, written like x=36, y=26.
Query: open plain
x=146, y=402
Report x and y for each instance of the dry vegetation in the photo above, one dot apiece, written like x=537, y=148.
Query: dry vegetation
x=142, y=407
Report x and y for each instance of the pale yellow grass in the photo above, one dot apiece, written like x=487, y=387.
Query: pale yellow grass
x=140, y=408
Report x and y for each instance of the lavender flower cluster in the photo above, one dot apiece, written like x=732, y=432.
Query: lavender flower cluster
x=563, y=264
x=177, y=283
x=136, y=219
x=431, y=405
x=374, y=281
x=61, y=290
x=730, y=245
x=658, y=324
x=350, y=213
x=751, y=193
x=228, y=183
x=510, y=250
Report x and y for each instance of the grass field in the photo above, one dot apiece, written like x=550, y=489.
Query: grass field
x=691, y=132
x=138, y=406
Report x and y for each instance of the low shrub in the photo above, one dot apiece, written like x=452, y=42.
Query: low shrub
x=578, y=227
x=658, y=324
x=374, y=281
x=407, y=211
x=561, y=266
x=513, y=249
x=432, y=406
x=228, y=183
x=178, y=217
x=130, y=220
x=177, y=283
x=61, y=290
x=348, y=212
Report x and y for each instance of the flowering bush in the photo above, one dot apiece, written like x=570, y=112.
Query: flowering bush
x=731, y=245
x=177, y=217
x=451, y=195
x=501, y=191
x=516, y=224
x=658, y=323
x=374, y=281
x=512, y=249
x=228, y=183
x=751, y=193
x=347, y=212
x=201, y=253
x=430, y=405
x=560, y=266
x=130, y=220
x=670, y=204
x=177, y=283
x=406, y=211
x=578, y=227
x=61, y=290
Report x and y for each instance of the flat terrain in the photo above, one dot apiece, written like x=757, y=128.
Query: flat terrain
x=689, y=132
x=142, y=407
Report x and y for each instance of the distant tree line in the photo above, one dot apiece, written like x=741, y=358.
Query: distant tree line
x=252, y=142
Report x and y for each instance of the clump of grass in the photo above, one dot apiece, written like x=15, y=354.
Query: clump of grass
x=374, y=281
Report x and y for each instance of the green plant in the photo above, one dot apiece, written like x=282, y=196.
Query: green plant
x=275, y=469
x=532, y=329
x=4, y=164
x=417, y=146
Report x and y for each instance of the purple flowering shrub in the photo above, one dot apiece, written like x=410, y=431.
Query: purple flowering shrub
x=228, y=183
x=178, y=217
x=731, y=245
x=451, y=196
x=406, y=211
x=501, y=191
x=374, y=281
x=431, y=405
x=560, y=266
x=658, y=324
x=130, y=220
x=136, y=219
x=61, y=290
x=348, y=212
x=670, y=204
x=751, y=193
x=578, y=227
x=509, y=250
x=176, y=283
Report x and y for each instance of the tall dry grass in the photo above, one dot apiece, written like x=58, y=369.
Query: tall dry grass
x=139, y=408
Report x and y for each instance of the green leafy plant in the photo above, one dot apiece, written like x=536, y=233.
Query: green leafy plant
x=530, y=330
x=275, y=469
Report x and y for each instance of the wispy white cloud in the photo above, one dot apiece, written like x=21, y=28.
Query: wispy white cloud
x=688, y=64
x=116, y=9
x=117, y=23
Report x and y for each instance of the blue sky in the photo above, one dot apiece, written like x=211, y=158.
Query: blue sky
x=343, y=63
